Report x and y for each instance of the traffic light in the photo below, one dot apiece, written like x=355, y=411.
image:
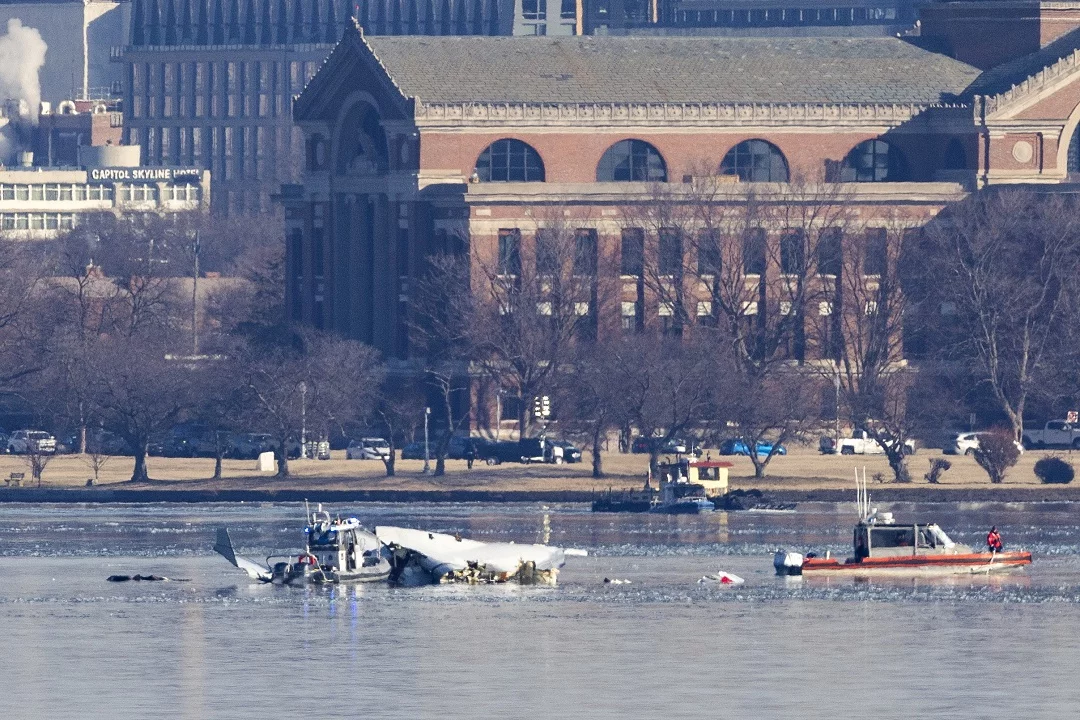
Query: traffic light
x=542, y=407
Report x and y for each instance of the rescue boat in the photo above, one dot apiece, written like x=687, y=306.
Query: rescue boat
x=881, y=545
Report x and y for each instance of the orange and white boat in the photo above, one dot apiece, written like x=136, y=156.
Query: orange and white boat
x=884, y=546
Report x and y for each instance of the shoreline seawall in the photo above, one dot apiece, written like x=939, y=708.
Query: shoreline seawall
x=883, y=494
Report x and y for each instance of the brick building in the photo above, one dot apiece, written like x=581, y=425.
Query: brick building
x=412, y=143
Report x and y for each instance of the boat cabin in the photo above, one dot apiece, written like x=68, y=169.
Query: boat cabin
x=894, y=540
x=340, y=545
x=710, y=475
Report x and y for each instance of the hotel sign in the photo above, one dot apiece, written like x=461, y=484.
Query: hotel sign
x=145, y=175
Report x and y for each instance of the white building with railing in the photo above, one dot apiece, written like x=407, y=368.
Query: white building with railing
x=38, y=203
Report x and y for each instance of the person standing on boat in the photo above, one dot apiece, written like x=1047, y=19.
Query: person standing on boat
x=993, y=540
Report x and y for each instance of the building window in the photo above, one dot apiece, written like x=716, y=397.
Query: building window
x=755, y=161
x=633, y=251
x=569, y=9
x=709, y=258
x=830, y=252
x=873, y=161
x=631, y=317
x=876, y=259
x=510, y=161
x=792, y=252
x=670, y=252
x=510, y=252
x=547, y=252
x=753, y=251
x=534, y=9
x=631, y=161
x=585, y=249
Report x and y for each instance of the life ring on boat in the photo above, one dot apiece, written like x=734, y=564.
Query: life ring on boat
x=308, y=559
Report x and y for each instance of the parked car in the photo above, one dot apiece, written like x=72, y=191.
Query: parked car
x=248, y=446
x=738, y=446
x=415, y=451
x=22, y=442
x=369, y=448
x=189, y=441
x=104, y=442
x=570, y=454
x=529, y=450
x=677, y=446
x=967, y=444
x=1056, y=433
x=860, y=443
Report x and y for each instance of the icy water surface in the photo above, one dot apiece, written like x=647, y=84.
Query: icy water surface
x=662, y=646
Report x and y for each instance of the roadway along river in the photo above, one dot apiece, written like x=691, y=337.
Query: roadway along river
x=662, y=646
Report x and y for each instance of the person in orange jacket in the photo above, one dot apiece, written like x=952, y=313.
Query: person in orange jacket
x=993, y=540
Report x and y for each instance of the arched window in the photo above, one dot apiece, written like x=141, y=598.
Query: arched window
x=362, y=148
x=955, y=158
x=1072, y=158
x=631, y=161
x=510, y=161
x=873, y=161
x=755, y=161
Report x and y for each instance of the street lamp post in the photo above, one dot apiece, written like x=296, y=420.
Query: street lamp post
x=427, y=454
x=195, y=296
x=303, y=419
x=836, y=421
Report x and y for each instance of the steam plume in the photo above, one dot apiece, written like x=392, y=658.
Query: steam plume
x=22, y=53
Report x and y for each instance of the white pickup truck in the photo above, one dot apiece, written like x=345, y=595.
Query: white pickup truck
x=1056, y=433
x=861, y=443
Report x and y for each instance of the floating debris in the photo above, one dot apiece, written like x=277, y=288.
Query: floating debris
x=722, y=578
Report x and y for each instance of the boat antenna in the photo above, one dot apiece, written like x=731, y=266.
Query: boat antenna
x=307, y=510
x=862, y=495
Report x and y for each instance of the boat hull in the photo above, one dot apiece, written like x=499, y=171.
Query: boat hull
x=960, y=564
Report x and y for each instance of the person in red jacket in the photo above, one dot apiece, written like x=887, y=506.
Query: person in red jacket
x=993, y=540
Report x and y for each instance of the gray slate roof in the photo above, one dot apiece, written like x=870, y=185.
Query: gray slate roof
x=598, y=69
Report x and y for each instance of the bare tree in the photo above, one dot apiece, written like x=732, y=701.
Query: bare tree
x=316, y=383
x=859, y=334
x=590, y=398
x=443, y=326
x=533, y=301
x=23, y=325
x=400, y=406
x=669, y=387
x=747, y=269
x=137, y=390
x=1001, y=274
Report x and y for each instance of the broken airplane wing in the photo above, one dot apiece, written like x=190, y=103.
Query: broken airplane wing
x=450, y=558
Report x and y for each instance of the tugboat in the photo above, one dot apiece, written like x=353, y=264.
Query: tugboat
x=335, y=551
x=884, y=546
x=686, y=487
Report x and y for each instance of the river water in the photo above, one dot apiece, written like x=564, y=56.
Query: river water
x=216, y=646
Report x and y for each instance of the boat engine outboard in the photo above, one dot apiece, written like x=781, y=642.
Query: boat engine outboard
x=788, y=563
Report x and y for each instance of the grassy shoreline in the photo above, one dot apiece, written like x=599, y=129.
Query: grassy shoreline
x=801, y=476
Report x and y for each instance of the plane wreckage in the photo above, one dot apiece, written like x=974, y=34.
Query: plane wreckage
x=335, y=551
x=342, y=551
x=419, y=556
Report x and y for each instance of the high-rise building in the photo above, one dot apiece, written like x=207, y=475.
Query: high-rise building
x=211, y=82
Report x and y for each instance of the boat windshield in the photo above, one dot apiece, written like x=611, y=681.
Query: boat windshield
x=939, y=537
